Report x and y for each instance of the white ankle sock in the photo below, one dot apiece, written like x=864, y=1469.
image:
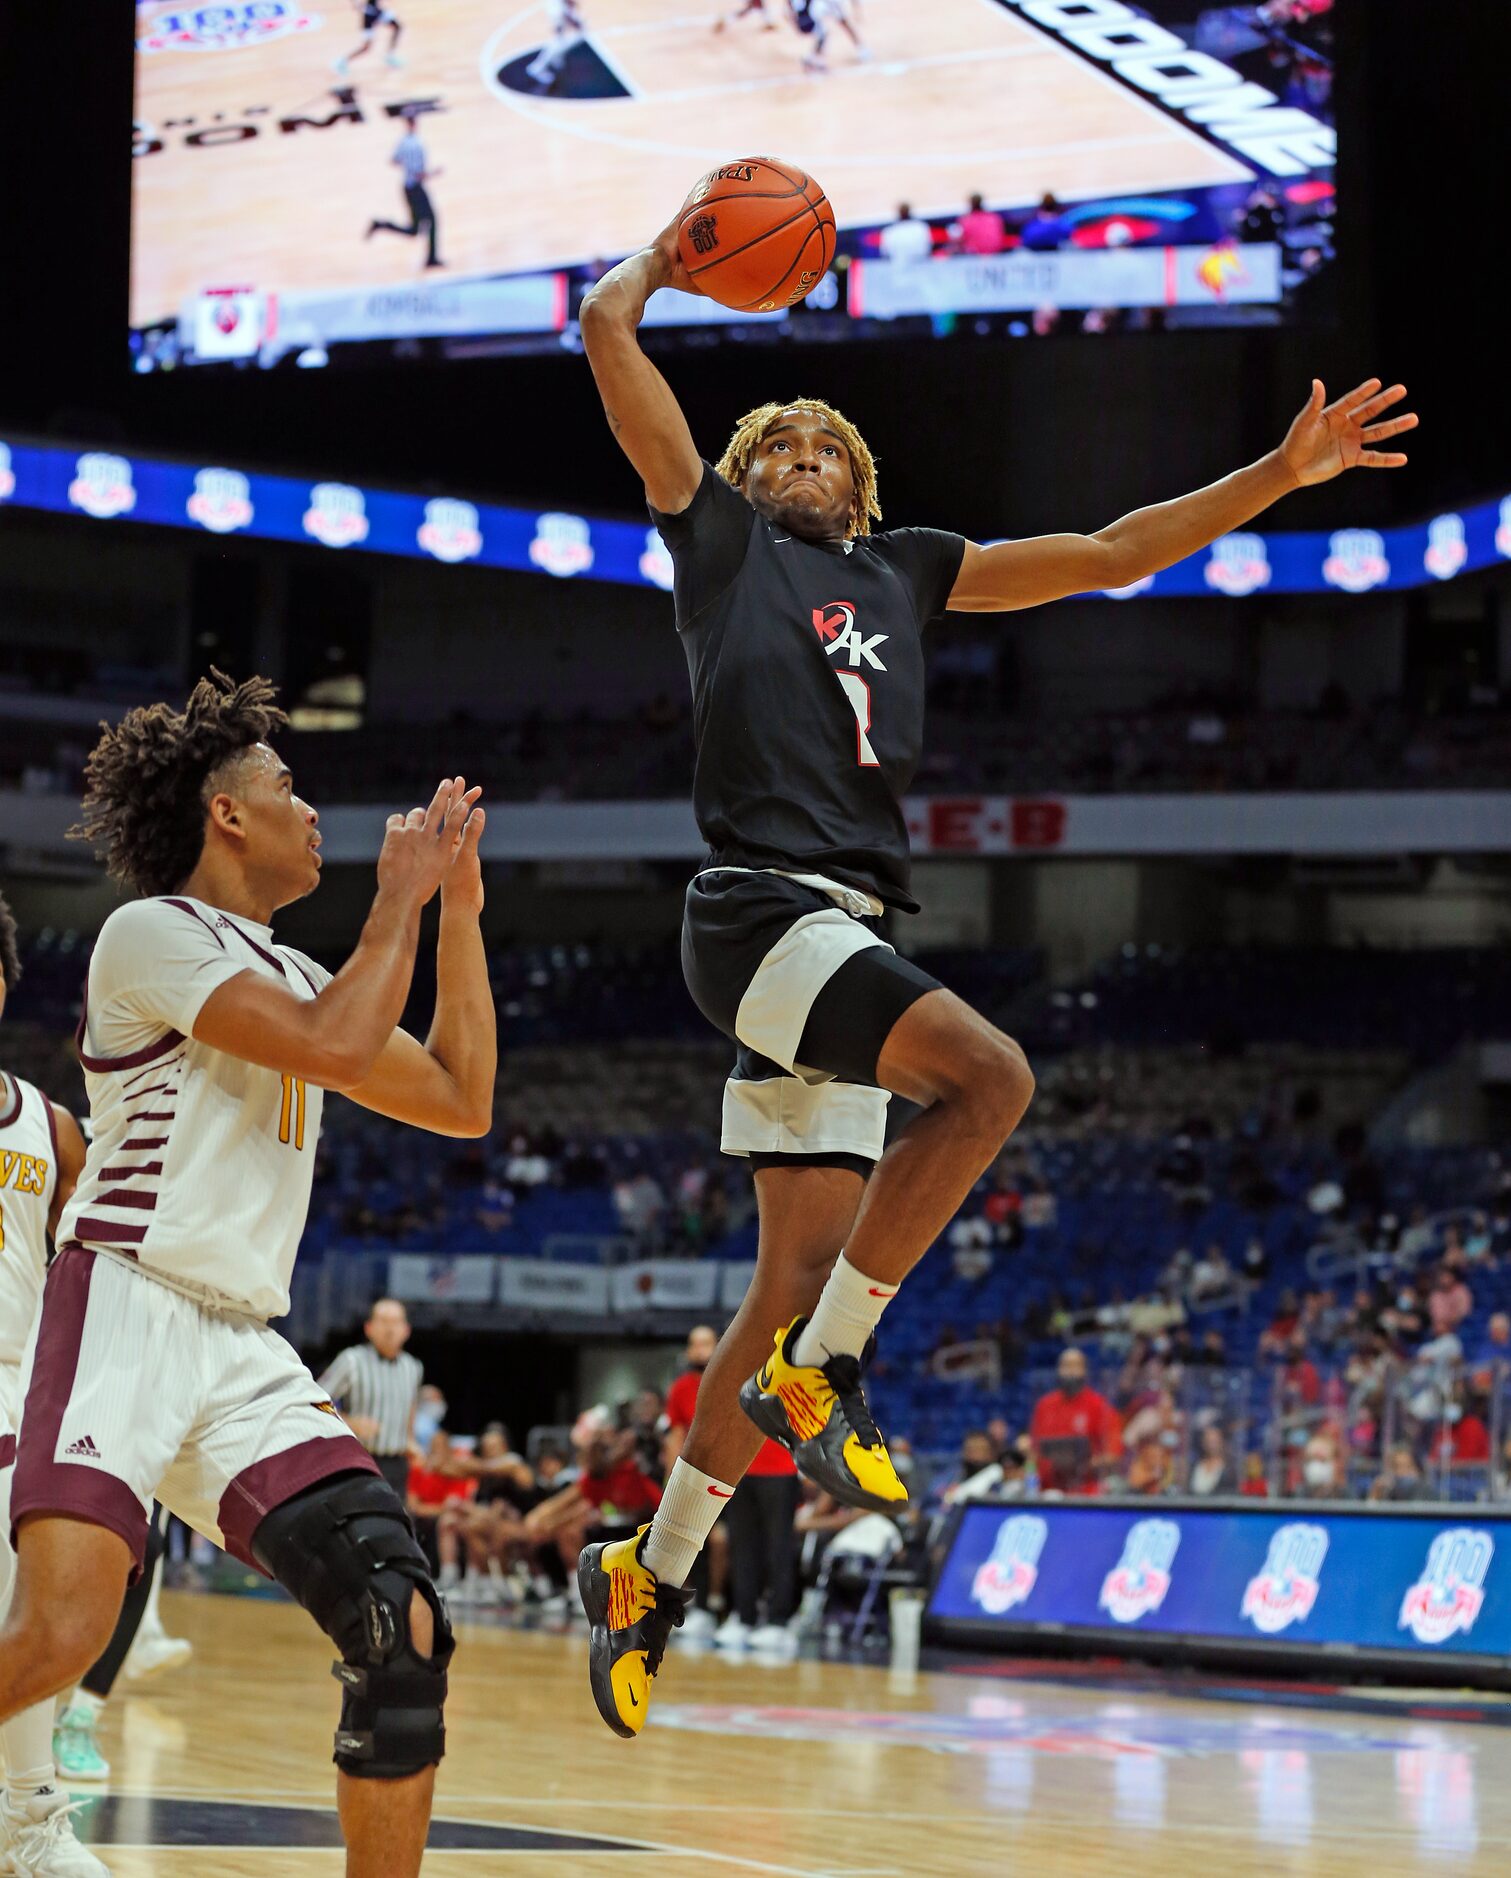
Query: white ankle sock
x=86, y=1701
x=690, y=1504
x=27, y=1741
x=848, y=1311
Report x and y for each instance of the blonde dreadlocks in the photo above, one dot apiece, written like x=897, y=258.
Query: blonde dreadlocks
x=740, y=451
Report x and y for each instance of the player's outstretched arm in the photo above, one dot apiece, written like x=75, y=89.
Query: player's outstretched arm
x=335, y=1039
x=1322, y=442
x=446, y=1083
x=643, y=413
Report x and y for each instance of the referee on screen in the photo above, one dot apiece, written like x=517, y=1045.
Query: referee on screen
x=375, y=1385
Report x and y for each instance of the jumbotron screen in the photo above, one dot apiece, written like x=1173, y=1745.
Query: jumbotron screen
x=353, y=179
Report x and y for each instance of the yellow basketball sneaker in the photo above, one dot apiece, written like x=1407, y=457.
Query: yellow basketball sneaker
x=632, y=1616
x=822, y=1416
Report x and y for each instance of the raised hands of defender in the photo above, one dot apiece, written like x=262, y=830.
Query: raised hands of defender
x=462, y=883
x=1327, y=439
x=420, y=848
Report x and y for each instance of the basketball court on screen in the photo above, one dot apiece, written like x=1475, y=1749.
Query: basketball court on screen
x=959, y=96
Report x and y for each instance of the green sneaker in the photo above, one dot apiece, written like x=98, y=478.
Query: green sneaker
x=75, y=1749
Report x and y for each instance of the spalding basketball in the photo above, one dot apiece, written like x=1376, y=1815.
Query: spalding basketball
x=756, y=235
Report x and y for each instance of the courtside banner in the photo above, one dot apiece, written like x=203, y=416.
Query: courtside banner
x=1433, y=1582
x=419, y=1278
x=108, y=485
x=1076, y=278
x=664, y=1285
x=539, y=1285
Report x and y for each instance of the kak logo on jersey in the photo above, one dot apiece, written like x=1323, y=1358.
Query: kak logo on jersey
x=337, y=515
x=1356, y=560
x=221, y=501
x=1140, y=1581
x=7, y=474
x=1012, y=1571
x=449, y=530
x=1450, y=1594
x=102, y=485
x=1446, y=548
x=837, y=631
x=1239, y=565
x=1285, y=1590
x=221, y=28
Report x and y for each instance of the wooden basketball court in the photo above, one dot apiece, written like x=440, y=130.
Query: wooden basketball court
x=958, y=96
x=797, y=1770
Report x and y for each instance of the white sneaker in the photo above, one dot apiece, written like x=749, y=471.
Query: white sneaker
x=731, y=1634
x=698, y=1626
x=774, y=1639
x=37, y=1840
x=394, y=62
x=341, y=68
x=151, y=1655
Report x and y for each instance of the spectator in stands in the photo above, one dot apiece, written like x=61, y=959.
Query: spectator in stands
x=980, y=230
x=1449, y=1302
x=640, y=1204
x=968, y=1479
x=527, y=1166
x=610, y=1497
x=1046, y=229
x=641, y=1417
x=1322, y=1471
x=1254, y=1486
x=494, y=1212
x=1403, y=1320
x=1262, y=219
x=1275, y=1338
x=1211, y=1275
x=1462, y=1439
x=1493, y=1355
x=429, y=1414
x=1076, y=1433
x=1215, y=1471
x=1418, y=1237
x=1402, y=1478
x=1256, y=1262
x=1212, y=1352
x=908, y=239
x=490, y=1526
x=970, y=1240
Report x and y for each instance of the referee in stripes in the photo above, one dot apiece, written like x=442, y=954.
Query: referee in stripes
x=375, y=1386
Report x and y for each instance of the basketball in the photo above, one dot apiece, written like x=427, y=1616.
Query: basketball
x=756, y=234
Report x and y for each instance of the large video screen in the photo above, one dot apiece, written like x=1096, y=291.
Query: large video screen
x=1422, y=1584
x=356, y=178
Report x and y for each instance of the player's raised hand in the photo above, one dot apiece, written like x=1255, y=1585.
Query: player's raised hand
x=420, y=846
x=462, y=885
x=666, y=246
x=1327, y=439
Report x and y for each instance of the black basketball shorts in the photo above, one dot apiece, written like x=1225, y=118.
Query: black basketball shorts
x=797, y=973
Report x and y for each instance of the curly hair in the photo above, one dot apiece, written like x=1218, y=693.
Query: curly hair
x=146, y=779
x=10, y=949
x=740, y=451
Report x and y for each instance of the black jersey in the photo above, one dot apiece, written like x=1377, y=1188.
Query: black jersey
x=806, y=661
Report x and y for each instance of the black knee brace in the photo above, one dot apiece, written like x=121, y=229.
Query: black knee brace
x=345, y=1549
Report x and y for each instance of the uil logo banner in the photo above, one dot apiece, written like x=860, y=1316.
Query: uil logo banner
x=563, y=545
x=449, y=530
x=1140, y=1581
x=656, y=562
x=1284, y=1592
x=1446, y=552
x=102, y=485
x=1503, y=528
x=1012, y=1571
x=1450, y=1593
x=221, y=28
x=337, y=515
x=7, y=474
x=1356, y=560
x=221, y=500
x=1239, y=565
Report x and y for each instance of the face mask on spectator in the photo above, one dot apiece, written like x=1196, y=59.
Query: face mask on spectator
x=1452, y=1412
x=1072, y=1385
x=1318, y=1473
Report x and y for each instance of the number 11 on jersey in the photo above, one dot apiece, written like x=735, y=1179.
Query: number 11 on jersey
x=859, y=693
x=291, y=1115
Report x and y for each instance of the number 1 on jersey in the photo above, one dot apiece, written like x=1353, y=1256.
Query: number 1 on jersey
x=292, y=1111
x=859, y=693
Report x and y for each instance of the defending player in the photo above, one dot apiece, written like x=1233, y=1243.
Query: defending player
x=568, y=31
x=803, y=634
x=153, y=1368
x=41, y=1155
x=373, y=14
x=813, y=18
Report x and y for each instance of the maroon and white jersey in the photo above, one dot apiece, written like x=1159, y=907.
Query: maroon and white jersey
x=201, y=1164
x=28, y=1185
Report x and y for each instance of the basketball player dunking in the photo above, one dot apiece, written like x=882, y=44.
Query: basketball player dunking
x=41, y=1156
x=803, y=634
x=153, y=1369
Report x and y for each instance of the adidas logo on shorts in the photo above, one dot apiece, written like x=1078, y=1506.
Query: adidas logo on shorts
x=84, y=1448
